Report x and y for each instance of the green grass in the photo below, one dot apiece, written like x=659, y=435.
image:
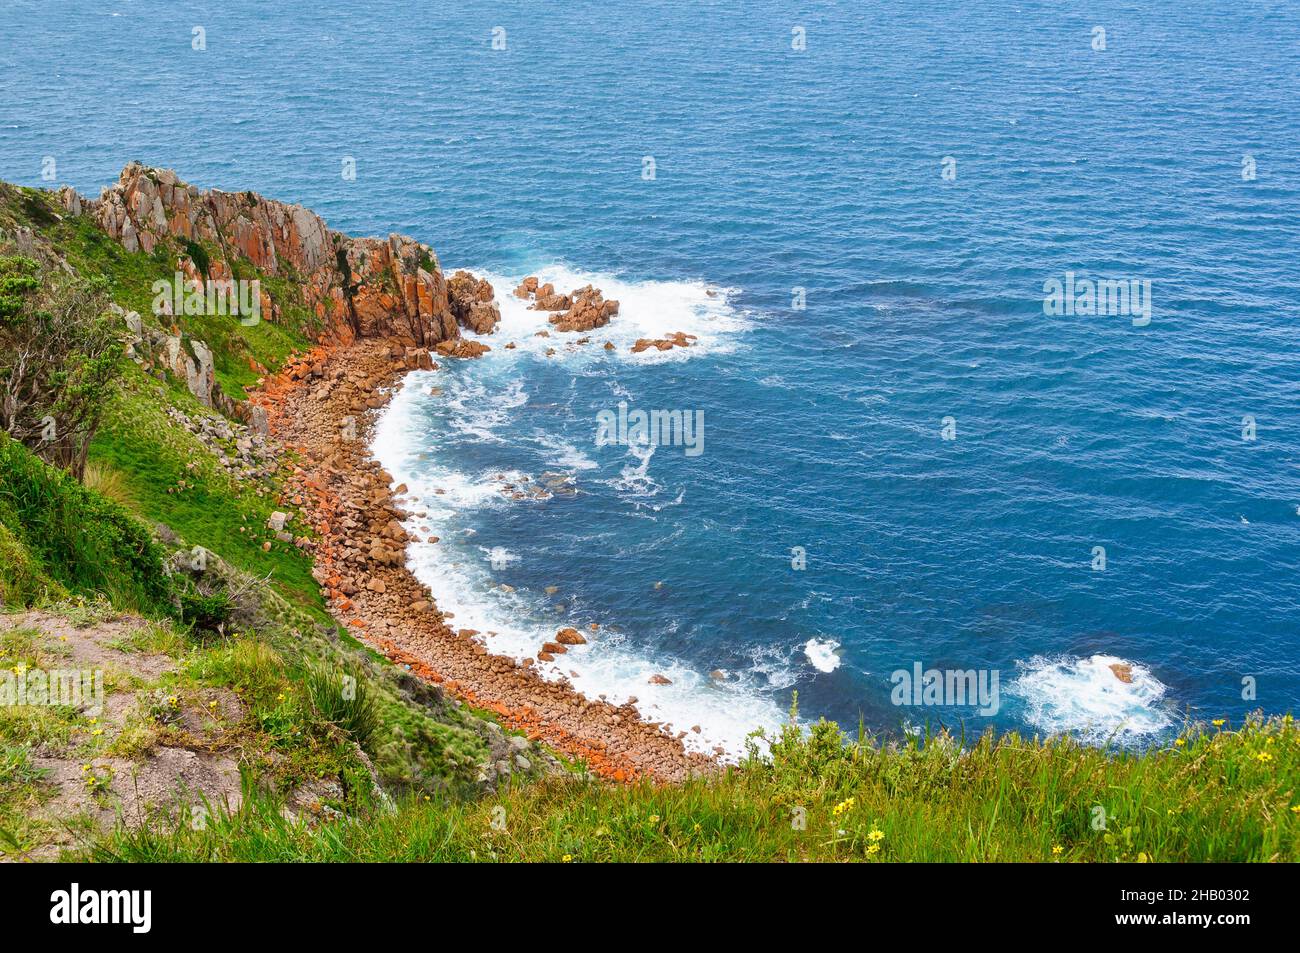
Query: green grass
x=172, y=478
x=21, y=795
x=1215, y=798
x=342, y=698
x=59, y=530
x=22, y=580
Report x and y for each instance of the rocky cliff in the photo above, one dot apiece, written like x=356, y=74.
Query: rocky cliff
x=358, y=287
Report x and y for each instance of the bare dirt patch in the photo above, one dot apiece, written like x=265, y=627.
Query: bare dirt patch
x=88, y=783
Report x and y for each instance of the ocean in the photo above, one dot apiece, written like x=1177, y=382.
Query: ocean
x=914, y=450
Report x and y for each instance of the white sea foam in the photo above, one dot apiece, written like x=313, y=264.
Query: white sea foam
x=563, y=454
x=647, y=309
x=474, y=411
x=516, y=623
x=1083, y=697
x=771, y=668
x=635, y=479
x=823, y=654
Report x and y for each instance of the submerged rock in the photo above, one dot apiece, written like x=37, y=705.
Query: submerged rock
x=677, y=339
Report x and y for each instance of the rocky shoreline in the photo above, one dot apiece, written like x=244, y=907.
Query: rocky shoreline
x=321, y=407
x=381, y=307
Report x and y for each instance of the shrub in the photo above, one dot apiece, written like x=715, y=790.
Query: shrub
x=206, y=613
x=60, y=357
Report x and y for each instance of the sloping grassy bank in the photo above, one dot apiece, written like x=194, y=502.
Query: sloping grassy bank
x=320, y=721
x=1220, y=795
x=60, y=537
x=318, y=710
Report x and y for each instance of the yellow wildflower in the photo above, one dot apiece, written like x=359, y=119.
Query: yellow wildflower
x=872, y=849
x=654, y=818
x=1218, y=722
x=1058, y=849
x=876, y=835
x=568, y=858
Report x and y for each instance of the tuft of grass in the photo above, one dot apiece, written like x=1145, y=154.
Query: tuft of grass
x=136, y=741
x=342, y=698
x=101, y=478
x=249, y=666
x=152, y=639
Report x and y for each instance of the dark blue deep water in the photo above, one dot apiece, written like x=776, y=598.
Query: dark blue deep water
x=778, y=169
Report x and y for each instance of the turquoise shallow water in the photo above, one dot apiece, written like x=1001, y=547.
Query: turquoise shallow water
x=819, y=169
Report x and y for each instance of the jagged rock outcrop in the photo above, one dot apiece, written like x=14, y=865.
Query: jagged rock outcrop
x=358, y=287
x=587, y=310
x=548, y=300
x=582, y=310
x=189, y=360
x=472, y=302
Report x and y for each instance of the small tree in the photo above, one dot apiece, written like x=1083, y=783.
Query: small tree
x=60, y=357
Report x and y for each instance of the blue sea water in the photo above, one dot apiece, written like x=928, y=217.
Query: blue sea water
x=778, y=169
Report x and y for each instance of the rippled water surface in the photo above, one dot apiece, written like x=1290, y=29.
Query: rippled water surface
x=778, y=169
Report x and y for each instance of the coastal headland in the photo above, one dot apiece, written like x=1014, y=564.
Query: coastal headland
x=382, y=308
